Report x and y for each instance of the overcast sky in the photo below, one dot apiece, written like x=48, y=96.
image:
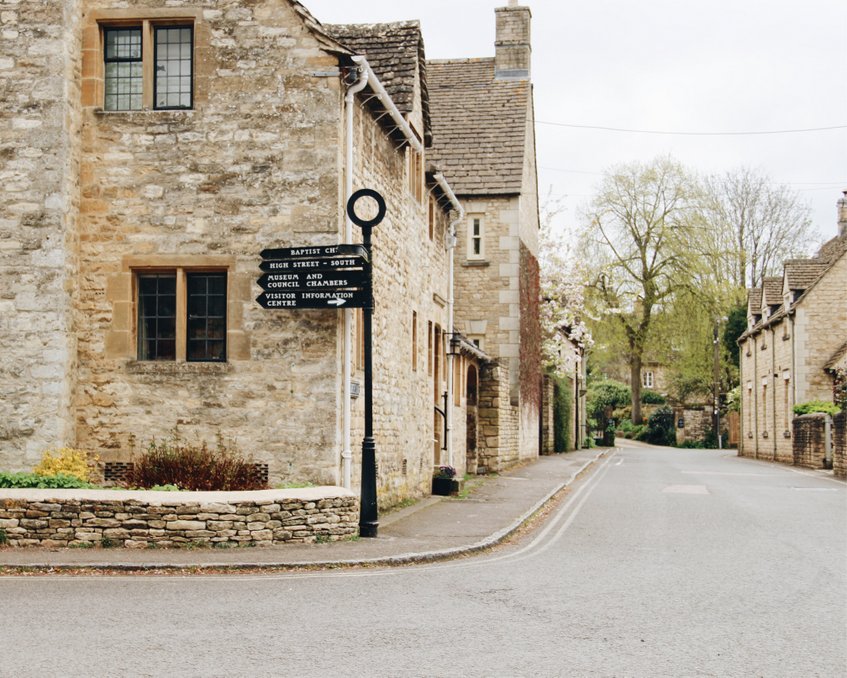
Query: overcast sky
x=665, y=65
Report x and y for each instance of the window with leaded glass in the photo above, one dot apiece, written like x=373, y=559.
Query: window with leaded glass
x=157, y=316
x=174, y=68
x=124, y=81
x=206, y=317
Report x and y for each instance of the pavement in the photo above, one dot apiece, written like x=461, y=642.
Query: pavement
x=435, y=528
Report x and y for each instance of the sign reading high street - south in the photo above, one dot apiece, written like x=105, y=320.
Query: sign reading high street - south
x=317, y=299
x=323, y=264
x=312, y=280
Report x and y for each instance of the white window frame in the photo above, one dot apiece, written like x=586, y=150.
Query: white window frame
x=647, y=380
x=472, y=238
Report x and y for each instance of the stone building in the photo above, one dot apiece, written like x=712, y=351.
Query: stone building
x=483, y=138
x=797, y=326
x=149, y=152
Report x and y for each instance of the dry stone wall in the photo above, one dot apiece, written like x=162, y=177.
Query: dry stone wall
x=809, y=440
x=58, y=518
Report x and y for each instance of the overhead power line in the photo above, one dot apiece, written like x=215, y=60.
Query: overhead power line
x=692, y=134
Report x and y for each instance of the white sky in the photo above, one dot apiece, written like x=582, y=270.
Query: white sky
x=674, y=65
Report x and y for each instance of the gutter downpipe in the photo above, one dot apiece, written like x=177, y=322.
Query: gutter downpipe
x=451, y=247
x=366, y=76
x=346, y=415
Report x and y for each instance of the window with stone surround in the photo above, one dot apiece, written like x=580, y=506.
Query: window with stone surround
x=182, y=315
x=476, y=238
x=647, y=379
x=145, y=63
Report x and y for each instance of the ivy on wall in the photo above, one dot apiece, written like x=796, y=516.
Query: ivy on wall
x=530, y=323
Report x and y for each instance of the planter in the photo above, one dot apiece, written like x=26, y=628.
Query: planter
x=445, y=487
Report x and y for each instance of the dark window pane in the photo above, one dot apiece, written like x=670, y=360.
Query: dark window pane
x=217, y=306
x=206, y=317
x=216, y=328
x=196, y=305
x=156, y=317
x=167, y=305
x=167, y=350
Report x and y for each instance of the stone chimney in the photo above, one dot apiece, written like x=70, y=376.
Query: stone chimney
x=842, y=214
x=512, y=49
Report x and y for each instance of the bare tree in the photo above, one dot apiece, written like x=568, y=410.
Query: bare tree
x=634, y=248
x=755, y=224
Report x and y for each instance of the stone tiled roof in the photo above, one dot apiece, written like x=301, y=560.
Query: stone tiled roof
x=395, y=51
x=833, y=249
x=801, y=273
x=754, y=299
x=773, y=291
x=837, y=357
x=478, y=126
x=318, y=30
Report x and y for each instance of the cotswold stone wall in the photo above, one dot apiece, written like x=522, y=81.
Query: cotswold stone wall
x=58, y=518
x=498, y=420
x=809, y=440
x=39, y=133
x=839, y=444
x=255, y=164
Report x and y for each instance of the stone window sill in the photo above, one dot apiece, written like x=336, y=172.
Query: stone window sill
x=175, y=113
x=170, y=367
x=476, y=263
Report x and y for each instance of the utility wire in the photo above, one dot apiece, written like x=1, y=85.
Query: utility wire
x=691, y=134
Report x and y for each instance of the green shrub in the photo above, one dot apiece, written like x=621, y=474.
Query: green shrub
x=816, y=406
x=649, y=397
x=604, y=396
x=640, y=432
x=32, y=480
x=660, y=427
x=691, y=445
x=3, y=538
x=193, y=466
x=561, y=413
x=67, y=461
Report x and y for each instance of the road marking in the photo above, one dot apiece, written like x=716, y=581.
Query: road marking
x=620, y=461
x=686, y=489
x=725, y=473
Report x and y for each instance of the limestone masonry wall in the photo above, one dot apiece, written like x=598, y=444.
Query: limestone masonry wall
x=39, y=125
x=839, y=444
x=809, y=440
x=58, y=518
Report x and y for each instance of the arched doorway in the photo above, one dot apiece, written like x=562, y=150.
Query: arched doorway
x=472, y=400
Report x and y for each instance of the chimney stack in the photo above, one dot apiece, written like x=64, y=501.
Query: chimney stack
x=842, y=214
x=512, y=49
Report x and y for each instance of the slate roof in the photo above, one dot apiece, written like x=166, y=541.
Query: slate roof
x=773, y=291
x=395, y=51
x=478, y=126
x=801, y=273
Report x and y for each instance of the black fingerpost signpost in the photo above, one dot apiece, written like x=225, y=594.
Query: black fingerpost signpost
x=368, y=516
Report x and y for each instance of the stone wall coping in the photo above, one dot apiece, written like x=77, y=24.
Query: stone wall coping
x=811, y=415
x=157, y=498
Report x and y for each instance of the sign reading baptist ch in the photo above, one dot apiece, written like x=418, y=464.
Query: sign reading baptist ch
x=331, y=276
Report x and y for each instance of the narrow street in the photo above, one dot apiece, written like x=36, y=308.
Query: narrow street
x=660, y=562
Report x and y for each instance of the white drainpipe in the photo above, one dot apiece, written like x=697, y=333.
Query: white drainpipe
x=366, y=77
x=346, y=451
x=451, y=246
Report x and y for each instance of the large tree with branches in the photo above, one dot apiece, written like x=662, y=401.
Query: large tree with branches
x=634, y=250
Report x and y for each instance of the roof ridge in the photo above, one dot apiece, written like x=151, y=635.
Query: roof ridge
x=466, y=60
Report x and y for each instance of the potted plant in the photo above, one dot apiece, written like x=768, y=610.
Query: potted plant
x=444, y=481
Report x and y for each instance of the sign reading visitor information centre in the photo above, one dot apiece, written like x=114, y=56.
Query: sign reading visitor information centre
x=332, y=276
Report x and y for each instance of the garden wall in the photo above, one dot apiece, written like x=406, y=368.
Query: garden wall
x=138, y=519
x=839, y=444
x=809, y=442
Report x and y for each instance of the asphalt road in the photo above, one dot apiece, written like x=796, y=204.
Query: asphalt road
x=659, y=563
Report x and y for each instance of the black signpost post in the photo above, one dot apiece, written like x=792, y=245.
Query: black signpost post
x=368, y=514
x=334, y=276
